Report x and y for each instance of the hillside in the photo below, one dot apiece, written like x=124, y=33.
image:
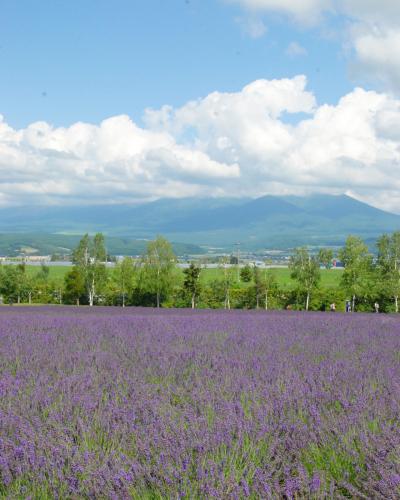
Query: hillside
x=13, y=244
x=269, y=221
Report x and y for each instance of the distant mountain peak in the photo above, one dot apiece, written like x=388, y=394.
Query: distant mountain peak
x=267, y=221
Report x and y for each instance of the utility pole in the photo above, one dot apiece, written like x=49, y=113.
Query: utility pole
x=238, y=257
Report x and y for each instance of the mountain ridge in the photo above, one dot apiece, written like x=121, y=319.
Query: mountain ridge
x=265, y=222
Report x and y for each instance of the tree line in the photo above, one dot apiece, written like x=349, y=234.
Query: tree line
x=154, y=280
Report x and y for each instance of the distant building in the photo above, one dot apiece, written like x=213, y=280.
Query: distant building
x=37, y=258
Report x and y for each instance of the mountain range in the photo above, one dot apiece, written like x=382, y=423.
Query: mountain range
x=279, y=222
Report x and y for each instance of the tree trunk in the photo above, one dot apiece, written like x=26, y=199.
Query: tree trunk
x=123, y=300
x=18, y=300
x=227, y=301
x=266, y=301
x=353, y=303
x=91, y=294
x=158, y=287
x=77, y=302
x=396, y=302
x=193, y=301
x=30, y=298
x=308, y=301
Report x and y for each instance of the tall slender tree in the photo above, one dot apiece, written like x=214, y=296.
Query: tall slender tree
x=357, y=263
x=305, y=269
x=228, y=277
x=158, y=264
x=124, y=277
x=388, y=265
x=270, y=285
x=90, y=258
x=192, y=282
x=75, y=289
x=325, y=257
x=258, y=284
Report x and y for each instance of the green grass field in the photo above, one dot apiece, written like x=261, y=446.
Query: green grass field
x=56, y=273
x=329, y=278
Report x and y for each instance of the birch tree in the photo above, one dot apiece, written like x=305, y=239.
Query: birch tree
x=228, y=277
x=357, y=263
x=325, y=257
x=124, y=277
x=258, y=284
x=388, y=265
x=305, y=270
x=90, y=258
x=270, y=284
x=158, y=264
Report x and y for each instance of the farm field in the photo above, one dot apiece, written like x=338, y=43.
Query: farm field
x=140, y=403
x=56, y=273
x=329, y=278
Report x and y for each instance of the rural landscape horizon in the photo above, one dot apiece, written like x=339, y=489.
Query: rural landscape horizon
x=200, y=249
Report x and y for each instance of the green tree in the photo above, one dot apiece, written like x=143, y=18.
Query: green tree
x=258, y=285
x=191, y=282
x=246, y=274
x=124, y=277
x=44, y=273
x=388, y=265
x=90, y=257
x=74, y=283
x=12, y=286
x=325, y=257
x=357, y=263
x=306, y=271
x=158, y=265
x=228, y=277
x=57, y=291
x=39, y=286
x=29, y=286
x=270, y=285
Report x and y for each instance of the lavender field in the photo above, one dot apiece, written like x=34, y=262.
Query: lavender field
x=137, y=403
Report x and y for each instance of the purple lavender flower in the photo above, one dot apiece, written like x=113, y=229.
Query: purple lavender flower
x=137, y=403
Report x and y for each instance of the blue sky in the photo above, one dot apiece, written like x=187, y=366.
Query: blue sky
x=130, y=100
x=88, y=60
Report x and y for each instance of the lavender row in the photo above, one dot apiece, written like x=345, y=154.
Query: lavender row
x=139, y=403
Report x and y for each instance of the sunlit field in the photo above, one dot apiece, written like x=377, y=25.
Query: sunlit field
x=139, y=403
x=329, y=278
x=56, y=273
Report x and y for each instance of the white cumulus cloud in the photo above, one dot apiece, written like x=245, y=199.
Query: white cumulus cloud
x=243, y=143
x=353, y=145
x=378, y=54
x=88, y=163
